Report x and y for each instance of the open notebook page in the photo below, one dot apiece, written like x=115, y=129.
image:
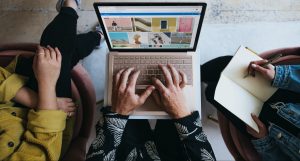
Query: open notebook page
x=238, y=100
x=258, y=86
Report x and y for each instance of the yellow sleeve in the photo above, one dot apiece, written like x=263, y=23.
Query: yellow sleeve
x=10, y=85
x=11, y=67
x=43, y=137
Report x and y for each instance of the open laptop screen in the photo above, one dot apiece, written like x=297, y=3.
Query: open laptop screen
x=151, y=27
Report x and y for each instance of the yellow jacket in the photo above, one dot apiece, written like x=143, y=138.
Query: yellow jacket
x=27, y=134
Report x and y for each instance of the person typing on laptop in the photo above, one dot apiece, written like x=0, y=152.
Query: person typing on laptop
x=120, y=138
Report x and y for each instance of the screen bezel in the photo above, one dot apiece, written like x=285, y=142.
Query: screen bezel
x=203, y=5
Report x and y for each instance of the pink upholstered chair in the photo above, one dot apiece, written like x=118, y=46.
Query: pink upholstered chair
x=82, y=89
x=238, y=144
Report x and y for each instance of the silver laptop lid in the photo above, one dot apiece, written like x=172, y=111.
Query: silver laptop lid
x=160, y=27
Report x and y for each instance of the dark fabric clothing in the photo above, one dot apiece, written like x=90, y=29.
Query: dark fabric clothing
x=165, y=137
x=210, y=73
x=61, y=33
x=269, y=115
x=118, y=138
x=168, y=142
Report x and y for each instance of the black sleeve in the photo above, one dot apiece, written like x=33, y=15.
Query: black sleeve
x=109, y=131
x=193, y=138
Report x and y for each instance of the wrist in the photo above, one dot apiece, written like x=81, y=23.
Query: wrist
x=44, y=88
x=46, y=85
x=120, y=111
x=108, y=113
x=180, y=114
x=47, y=98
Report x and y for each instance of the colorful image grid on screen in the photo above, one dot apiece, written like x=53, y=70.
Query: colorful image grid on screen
x=151, y=29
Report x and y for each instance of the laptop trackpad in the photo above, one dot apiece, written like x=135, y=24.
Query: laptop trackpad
x=149, y=105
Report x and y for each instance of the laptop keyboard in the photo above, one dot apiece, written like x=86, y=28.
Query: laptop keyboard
x=148, y=65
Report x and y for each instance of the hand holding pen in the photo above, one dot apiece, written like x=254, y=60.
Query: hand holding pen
x=264, y=67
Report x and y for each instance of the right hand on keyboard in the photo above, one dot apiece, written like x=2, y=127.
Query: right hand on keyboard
x=124, y=99
x=171, y=96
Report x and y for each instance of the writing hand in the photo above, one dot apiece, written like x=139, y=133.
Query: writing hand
x=267, y=71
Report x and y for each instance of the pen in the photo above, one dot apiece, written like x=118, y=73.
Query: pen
x=270, y=61
x=251, y=50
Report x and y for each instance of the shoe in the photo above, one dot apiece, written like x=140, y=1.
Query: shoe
x=99, y=30
x=60, y=3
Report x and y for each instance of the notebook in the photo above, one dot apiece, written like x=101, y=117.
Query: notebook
x=243, y=96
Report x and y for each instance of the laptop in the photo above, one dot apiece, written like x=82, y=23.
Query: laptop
x=143, y=35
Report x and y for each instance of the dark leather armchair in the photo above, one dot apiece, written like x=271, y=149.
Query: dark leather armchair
x=82, y=89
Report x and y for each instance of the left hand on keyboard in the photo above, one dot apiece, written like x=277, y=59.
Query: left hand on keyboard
x=124, y=99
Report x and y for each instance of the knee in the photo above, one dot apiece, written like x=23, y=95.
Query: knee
x=211, y=70
x=210, y=92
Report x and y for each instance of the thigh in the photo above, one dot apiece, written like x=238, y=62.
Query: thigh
x=24, y=67
x=61, y=33
x=269, y=114
x=286, y=96
x=211, y=70
x=136, y=133
x=167, y=141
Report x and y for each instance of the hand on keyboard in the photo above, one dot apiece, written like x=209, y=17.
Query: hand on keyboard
x=124, y=99
x=148, y=65
x=171, y=96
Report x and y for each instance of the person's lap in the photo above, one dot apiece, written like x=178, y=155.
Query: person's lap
x=167, y=141
x=164, y=136
x=210, y=73
x=136, y=133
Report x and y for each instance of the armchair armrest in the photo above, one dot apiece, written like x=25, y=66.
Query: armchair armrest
x=19, y=46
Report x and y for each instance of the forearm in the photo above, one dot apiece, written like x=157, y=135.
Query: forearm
x=193, y=138
x=109, y=132
x=287, y=77
x=291, y=51
x=26, y=97
x=47, y=97
x=284, y=51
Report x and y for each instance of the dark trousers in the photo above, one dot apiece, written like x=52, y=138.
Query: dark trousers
x=61, y=33
x=165, y=137
x=210, y=73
